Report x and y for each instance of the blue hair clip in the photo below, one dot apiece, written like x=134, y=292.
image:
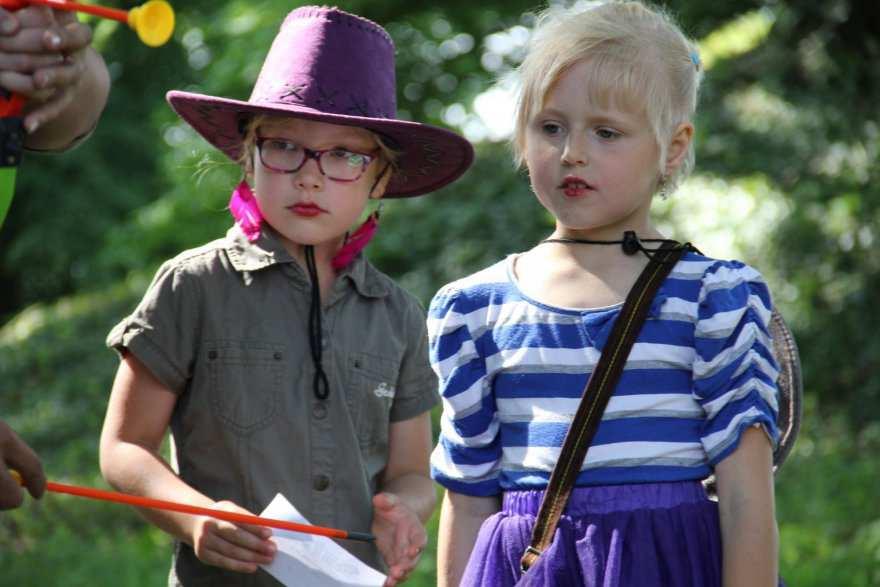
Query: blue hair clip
x=695, y=59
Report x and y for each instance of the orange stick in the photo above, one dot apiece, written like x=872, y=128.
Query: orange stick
x=161, y=504
x=120, y=15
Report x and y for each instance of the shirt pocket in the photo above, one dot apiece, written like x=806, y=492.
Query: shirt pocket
x=245, y=378
x=373, y=379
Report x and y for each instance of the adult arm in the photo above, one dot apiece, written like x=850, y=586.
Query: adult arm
x=406, y=499
x=137, y=418
x=45, y=55
x=460, y=519
x=750, y=539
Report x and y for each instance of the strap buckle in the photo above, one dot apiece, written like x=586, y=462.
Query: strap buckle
x=529, y=557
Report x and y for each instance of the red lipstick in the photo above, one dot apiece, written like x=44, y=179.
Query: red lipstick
x=306, y=209
x=574, y=186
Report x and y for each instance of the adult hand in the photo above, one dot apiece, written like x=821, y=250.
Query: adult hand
x=15, y=454
x=400, y=536
x=237, y=547
x=42, y=58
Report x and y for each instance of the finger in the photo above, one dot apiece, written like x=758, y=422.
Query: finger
x=31, y=40
x=261, y=532
x=19, y=83
x=8, y=23
x=399, y=573
x=47, y=111
x=72, y=37
x=252, y=538
x=385, y=501
x=19, y=456
x=59, y=76
x=39, y=32
x=64, y=17
x=11, y=494
x=259, y=553
x=22, y=83
x=33, y=16
x=29, y=62
x=217, y=559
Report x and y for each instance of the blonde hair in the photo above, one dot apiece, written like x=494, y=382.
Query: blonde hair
x=641, y=60
x=249, y=142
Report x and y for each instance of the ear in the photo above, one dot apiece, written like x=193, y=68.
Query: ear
x=677, y=149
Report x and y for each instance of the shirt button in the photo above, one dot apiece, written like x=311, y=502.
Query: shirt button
x=319, y=411
x=212, y=355
x=321, y=482
x=277, y=355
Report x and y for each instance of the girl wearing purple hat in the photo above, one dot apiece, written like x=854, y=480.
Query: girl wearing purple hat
x=280, y=358
x=604, y=123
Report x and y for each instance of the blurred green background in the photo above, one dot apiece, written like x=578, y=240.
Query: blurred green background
x=787, y=179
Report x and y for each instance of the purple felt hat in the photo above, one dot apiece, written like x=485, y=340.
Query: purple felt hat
x=331, y=66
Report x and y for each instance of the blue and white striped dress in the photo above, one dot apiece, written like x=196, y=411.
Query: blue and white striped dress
x=512, y=371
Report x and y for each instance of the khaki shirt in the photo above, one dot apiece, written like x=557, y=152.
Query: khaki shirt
x=225, y=326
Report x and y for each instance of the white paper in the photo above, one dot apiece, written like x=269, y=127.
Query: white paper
x=316, y=561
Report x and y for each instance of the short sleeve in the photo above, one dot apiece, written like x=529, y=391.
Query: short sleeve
x=467, y=457
x=734, y=369
x=416, y=390
x=162, y=332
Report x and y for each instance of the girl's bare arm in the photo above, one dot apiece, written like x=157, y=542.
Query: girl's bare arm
x=460, y=519
x=748, y=518
x=136, y=422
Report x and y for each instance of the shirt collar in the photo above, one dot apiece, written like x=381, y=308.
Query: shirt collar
x=268, y=250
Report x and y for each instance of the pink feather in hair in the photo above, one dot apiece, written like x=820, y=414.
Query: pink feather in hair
x=243, y=207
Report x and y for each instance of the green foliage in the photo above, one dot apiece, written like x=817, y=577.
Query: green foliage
x=788, y=143
x=827, y=505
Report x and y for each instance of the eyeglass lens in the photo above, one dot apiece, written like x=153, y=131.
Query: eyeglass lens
x=339, y=164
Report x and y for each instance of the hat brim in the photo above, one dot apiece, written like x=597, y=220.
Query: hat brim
x=430, y=157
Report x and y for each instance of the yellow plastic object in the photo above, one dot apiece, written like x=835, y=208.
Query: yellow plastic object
x=153, y=22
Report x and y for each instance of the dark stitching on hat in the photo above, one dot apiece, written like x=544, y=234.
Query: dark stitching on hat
x=206, y=116
x=298, y=93
x=293, y=91
x=358, y=107
x=432, y=153
x=326, y=96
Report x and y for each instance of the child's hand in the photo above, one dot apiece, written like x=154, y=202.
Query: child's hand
x=237, y=547
x=400, y=536
x=42, y=58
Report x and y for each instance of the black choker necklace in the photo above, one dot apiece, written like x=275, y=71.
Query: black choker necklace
x=630, y=243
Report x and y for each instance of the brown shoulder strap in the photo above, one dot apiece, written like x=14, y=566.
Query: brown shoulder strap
x=596, y=394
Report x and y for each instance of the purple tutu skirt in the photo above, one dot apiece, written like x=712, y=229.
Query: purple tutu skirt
x=641, y=535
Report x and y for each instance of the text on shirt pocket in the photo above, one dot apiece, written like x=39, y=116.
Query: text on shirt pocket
x=370, y=395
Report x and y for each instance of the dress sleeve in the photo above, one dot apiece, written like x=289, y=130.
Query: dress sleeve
x=734, y=369
x=162, y=332
x=467, y=457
